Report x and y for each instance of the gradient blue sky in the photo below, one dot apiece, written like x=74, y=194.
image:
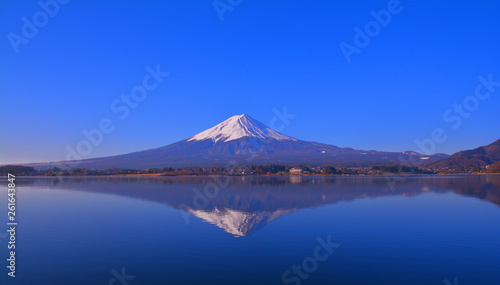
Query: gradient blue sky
x=263, y=55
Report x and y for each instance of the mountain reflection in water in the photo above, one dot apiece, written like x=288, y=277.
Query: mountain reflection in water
x=241, y=205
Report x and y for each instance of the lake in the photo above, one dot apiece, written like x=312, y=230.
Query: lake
x=256, y=230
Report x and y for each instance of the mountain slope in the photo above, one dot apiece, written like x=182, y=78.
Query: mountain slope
x=243, y=140
x=494, y=168
x=478, y=157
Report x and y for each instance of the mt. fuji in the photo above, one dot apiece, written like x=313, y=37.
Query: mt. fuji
x=239, y=126
x=243, y=140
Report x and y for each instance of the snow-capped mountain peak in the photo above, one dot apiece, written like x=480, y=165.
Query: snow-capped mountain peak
x=239, y=126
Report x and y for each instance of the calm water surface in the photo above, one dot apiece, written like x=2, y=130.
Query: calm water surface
x=256, y=230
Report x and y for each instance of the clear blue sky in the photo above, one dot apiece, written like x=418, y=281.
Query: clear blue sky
x=263, y=55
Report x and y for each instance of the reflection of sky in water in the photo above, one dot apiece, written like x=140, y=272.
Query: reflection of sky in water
x=425, y=231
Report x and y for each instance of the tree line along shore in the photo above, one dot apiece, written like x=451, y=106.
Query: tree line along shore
x=272, y=169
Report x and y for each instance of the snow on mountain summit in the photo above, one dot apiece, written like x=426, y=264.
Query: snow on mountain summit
x=239, y=126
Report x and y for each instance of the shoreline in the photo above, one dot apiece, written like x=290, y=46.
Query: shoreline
x=265, y=175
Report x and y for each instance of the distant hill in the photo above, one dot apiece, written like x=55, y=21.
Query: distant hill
x=475, y=158
x=16, y=170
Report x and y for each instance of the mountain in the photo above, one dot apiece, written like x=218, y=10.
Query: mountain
x=475, y=158
x=242, y=140
x=237, y=127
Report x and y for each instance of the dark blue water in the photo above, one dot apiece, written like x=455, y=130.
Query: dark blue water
x=256, y=230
